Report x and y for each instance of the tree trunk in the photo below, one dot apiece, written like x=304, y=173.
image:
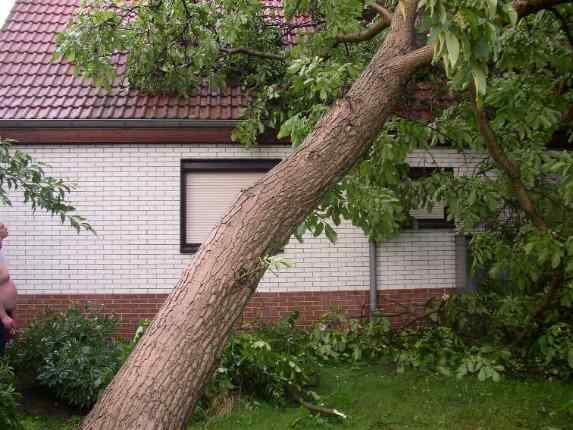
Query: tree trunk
x=164, y=376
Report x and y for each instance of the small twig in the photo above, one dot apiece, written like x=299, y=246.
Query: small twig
x=320, y=410
x=252, y=52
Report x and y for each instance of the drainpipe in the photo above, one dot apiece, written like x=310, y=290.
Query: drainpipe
x=373, y=287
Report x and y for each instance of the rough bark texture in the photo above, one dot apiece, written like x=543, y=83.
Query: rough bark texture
x=164, y=376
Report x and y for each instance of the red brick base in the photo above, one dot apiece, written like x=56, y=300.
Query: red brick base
x=398, y=305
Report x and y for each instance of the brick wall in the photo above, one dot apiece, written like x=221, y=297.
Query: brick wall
x=130, y=194
x=417, y=259
x=401, y=306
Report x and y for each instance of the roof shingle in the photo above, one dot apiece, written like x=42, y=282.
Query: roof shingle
x=32, y=87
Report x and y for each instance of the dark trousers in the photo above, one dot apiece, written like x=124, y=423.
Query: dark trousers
x=4, y=335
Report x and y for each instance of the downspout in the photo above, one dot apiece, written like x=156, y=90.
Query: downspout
x=373, y=286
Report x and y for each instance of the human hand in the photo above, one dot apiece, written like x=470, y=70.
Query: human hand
x=9, y=325
x=3, y=231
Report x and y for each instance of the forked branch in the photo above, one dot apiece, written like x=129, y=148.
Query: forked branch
x=384, y=20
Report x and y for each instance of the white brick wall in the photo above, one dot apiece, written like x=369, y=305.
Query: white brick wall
x=130, y=195
x=417, y=259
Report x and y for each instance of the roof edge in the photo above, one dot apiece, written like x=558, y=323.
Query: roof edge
x=116, y=123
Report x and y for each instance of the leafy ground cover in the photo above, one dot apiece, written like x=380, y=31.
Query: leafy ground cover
x=376, y=397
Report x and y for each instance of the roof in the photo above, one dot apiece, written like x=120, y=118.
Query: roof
x=38, y=93
x=32, y=87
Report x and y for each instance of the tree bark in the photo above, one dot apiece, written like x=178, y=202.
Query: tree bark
x=164, y=376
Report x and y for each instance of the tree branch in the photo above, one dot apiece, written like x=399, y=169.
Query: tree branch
x=512, y=171
x=384, y=20
x=384, y=13
x=420, y=57
x=366, y=34
x=508, y=167
x=252, y=52
x=527, y=7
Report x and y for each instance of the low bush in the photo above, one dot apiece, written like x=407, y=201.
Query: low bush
x=487, y=334
x=8, y=399
x=335, y=338
x=74, y=355
x=71, y=353
x=270, y=363
x=253, y=367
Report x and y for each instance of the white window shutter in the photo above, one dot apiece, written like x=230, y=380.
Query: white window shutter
x=437, y=212
x=208, y=196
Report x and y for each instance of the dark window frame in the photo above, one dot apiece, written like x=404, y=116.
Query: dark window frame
x=223, y=165
x=418, y=172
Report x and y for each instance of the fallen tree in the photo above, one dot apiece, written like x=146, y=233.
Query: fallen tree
x=174, y=44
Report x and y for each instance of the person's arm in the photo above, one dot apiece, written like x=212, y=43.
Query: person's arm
x=7, y=321
x=4, y=274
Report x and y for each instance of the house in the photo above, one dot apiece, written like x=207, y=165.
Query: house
x=153, y=175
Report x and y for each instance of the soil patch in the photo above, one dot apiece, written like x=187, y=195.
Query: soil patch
x=38, y=401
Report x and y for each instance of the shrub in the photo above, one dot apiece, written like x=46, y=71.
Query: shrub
x=52, y=330
x=71, y=353
x=254, y=367
x=76, y=373
x=497, y=332
x=554, y=351
x=335, y=338
x=8, y=399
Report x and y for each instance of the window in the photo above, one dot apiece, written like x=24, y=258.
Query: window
x=438, y=216
x=208, y=188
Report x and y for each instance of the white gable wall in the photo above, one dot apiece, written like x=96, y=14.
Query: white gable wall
x=130, y=194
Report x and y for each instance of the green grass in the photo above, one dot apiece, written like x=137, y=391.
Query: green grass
x=375, y=398
x=378, y=398
x=50, y=423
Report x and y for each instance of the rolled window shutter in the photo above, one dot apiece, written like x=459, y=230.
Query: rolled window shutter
x=437, y=212
x=208, y=196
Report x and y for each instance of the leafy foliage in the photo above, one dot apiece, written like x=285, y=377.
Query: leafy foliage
x=339, y=339
x=19, y=172
x=496, y=331
x=253, y=367
x=516, y=69
x=72, y=353
x=8, y=399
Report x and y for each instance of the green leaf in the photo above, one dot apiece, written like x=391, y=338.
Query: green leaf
x=555, y=260
x=453, y=45
x=492, y=7
x=480, y=80
x=330, y=233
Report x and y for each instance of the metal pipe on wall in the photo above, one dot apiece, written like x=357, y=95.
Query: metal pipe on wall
x=373, y=284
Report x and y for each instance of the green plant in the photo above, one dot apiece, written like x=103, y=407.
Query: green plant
x=428, y=348
x=72, y=353
x=495, y=333
x=52, y=330
x=554, y=351
x=76, y=373
x=485, y=362
x=252, y=366
x=335, y=338
x=8, y=399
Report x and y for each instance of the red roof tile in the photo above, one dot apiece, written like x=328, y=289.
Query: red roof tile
x=31, y=87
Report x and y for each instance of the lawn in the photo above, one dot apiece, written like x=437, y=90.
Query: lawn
x=378, y=398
